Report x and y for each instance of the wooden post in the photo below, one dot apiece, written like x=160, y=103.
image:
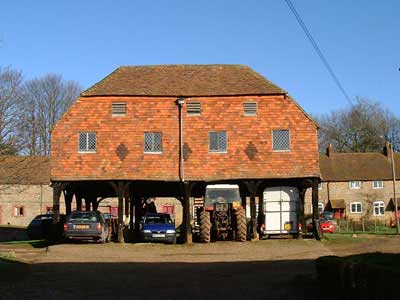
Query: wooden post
x=68, y=195
x=138, y=216
x=316, y=227
x=78, y=199
x=252, y=187
x=87, y=204
x=261, y=215
x=186, y=228
x=95, y=204
x=302, y=219
x=57, y=189
x=126, y=196
x=120, y=194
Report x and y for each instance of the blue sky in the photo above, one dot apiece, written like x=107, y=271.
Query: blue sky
x=86, y=40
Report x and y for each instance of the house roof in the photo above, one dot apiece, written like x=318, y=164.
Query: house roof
x=24, y=170
x=183, y=80
x=357, y=166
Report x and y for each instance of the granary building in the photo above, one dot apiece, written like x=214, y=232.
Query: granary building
x=169, y=130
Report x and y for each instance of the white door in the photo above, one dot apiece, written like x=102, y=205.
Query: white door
x=281, y=209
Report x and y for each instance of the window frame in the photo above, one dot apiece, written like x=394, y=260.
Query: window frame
x=355, y=187
x=289, y=142
x=379, y=186
x=226, y=141
x=87, y=142
x=16, y=210
x=356, y=203
x=381, y=204
x=144, y=142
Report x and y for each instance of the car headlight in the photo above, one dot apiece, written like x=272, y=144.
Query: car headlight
x=170, y=231
x=147, y=231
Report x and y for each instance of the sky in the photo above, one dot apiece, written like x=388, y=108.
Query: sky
x=84, y=41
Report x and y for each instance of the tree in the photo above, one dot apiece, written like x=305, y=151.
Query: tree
x=10, y=97
x=364, y=127
x=44, y=100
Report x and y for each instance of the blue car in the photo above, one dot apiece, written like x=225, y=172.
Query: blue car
x=158, y=228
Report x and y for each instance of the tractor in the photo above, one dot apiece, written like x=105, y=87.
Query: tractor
x=222, y=217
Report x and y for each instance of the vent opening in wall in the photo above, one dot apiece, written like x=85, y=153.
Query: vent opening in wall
x=118, y=109
x=250, y=108
x=193, y=108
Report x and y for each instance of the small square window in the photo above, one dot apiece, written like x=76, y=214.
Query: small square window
x=379, y=208
x=250, y=108
x=87, y=142
x=356, y=207
x=377, y=184
x=280, y=140
x=355, y=185
x=193, y=108
x=118, y=109
x=19, y=211
x=217, y=141
x=153, y=142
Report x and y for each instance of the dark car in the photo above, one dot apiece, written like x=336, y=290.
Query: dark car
x=87, y=225
x=158, y=228
x=42, y=225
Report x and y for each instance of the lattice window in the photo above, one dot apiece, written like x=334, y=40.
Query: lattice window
x=87, y=142
x=218, y=141
x=153, y=142
x=193, y=108
x=250, y=108
x=280, y=140
x=118, y=108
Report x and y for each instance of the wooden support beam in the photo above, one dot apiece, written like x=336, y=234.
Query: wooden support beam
x=252, y=187
x=68, y=195
x=78, y=199
x=120, y=188
x=186, y=218
x=138, y=215
x=57, y=190
x=301, y=217
x=261, y=215
x=315, y=217
x=87, y=203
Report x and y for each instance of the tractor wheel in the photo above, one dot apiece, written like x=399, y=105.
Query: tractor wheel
x=205, y=227
x=241, y=226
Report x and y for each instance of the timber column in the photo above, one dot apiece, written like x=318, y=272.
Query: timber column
x=315, y=216
x=186, y=230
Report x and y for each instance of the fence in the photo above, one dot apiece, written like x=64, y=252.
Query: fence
x=364, y=226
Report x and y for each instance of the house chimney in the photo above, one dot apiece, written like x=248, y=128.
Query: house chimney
x=329, y=150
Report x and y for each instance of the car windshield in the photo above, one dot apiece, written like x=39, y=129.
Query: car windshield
x=160, y=219
x=83, y=217
x=227, y=195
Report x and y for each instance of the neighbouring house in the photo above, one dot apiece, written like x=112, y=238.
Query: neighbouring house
x=24, y=189
x=357, y=185
x=169, y=130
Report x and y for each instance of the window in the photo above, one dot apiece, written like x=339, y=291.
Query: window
x=320, y=207
x=355, y=185
x=153, y=142
x=19, y=211
x=379, y=208
x=280, y=140
x=320, y=186
x=217, y=141
x=377, y=184
x=356, y=207
x=193, y=108
x=250, y=108
x=87, y=142
x=118, y=109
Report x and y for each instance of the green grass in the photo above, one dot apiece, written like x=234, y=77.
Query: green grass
x=33, y=243
x=342, y=238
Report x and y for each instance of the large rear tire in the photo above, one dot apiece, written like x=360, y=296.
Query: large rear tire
x=241, y=226
x=205, y=227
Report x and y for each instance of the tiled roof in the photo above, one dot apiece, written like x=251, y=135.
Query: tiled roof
x=24, y=170
x=183, y=80
x=357, y=166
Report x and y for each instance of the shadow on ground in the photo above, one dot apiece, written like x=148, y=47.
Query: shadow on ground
x=291, y=279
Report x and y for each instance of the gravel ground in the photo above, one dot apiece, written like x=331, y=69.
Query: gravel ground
x=270, y=269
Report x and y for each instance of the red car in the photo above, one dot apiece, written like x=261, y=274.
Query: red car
x=327, y=226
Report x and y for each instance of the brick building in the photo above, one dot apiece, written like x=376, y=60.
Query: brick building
x=357, y=185
x=167, y=131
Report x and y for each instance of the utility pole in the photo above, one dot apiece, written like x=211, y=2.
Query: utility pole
x=394, y=188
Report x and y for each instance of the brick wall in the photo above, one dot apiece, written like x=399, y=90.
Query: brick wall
x=120, y=154
x=366, y=195
x=35, y=199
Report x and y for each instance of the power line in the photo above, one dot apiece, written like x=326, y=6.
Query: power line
x=318, y=50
